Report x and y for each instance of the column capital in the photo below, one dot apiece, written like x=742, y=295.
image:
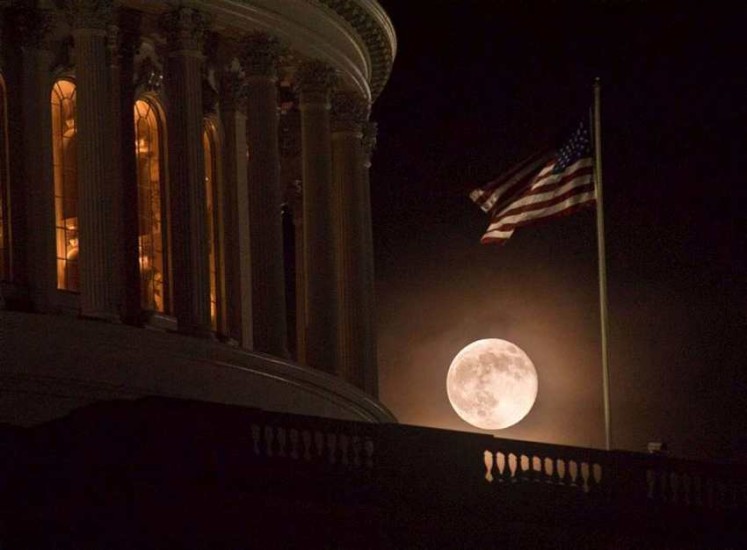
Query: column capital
x=148, y=76
x=349, y=111
x=259, y=53
x=232, y=89
x=123, y=38
x=33, y=27
x=185, y=29
x=370, y=131
x=315, y=80
x=89, y=14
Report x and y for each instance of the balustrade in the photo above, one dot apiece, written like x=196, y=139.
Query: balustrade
x=618, y=475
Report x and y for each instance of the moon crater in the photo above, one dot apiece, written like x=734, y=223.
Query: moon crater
x=492, y=384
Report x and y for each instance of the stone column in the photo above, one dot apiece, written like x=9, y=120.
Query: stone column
x=295, y=200
x=236, y=208
x=98, y=295
x=37, y=196
x=349, y=111
x=290, y=170
x=124, y=41
x=259, y=57
x=185, y=28
x=315, y=81
x=371, y=372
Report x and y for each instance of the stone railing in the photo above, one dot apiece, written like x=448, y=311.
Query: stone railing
x=619, y=476
x=336, y=445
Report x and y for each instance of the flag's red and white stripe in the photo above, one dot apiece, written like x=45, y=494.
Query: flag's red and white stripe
x=531, y=192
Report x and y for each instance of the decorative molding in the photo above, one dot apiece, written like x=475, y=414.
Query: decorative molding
x=370, y=131
x=232, y=90
x=376, y=32
x=349, y=111
x=123, y=35
x=149, y=76
x=185, y=29
x=315, y=80
x=89, y=14
x=259, y=54
x=33, y=27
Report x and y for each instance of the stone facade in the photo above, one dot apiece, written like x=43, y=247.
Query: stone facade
x=149, y=190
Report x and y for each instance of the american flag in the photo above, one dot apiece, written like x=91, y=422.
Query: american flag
x=546, y=185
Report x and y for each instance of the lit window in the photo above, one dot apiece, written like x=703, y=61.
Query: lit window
x=4, y=234
x=209, y=145
x=65, y=184
x=151, y=199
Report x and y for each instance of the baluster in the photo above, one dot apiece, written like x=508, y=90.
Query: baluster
x=555, y=469
x=269, y=440
x=523, y=467
x=549, y=470
x=685, y=490
x=332, y=448
x=294, y=443
x=281, y=442
x=487, y=458
x=663, y=488
x=535, y=468
x=698, y=498
x=720, y=493
x=307, y=442
x=572, y=466
x=255, y=438
x=597, y=473
x=674, y=488
x=650, y=483
x=710, y=493
x=513, y=466
x=344, y=441
x=591, y=480
x=319, y=447
x=501, y=463
x=564, y=476
x=369, y=452
x=357, y=451
x=584, y=476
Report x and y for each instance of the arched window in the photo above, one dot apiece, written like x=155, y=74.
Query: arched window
x=209, y=143
x=4, y=190
x=151, y=208
x=65, y=184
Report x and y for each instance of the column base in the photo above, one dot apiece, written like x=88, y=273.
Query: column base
x=101, y=316
x=197, y=332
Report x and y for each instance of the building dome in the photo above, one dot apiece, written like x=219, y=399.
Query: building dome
x=185, y=203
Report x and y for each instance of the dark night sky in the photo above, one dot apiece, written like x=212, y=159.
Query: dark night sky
x=478, y=85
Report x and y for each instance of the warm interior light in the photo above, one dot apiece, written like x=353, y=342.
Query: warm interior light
x=208, y=143
x=150, y=232
x=65, y=184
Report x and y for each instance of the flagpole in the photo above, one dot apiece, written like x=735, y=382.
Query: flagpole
x=602, y=261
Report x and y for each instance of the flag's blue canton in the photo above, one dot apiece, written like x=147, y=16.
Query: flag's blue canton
x=577, y=147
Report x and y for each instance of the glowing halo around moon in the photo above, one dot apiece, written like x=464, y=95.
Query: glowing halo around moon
x=492, y=384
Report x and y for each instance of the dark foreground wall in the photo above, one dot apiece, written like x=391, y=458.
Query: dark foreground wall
x=161, y=473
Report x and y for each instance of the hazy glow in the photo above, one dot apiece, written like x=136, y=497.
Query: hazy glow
x=492, y=384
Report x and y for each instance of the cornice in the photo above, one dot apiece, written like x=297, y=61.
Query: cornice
x=375, y=28
x=371, y=23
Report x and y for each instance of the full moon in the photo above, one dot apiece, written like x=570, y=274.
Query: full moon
x=492, y=384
